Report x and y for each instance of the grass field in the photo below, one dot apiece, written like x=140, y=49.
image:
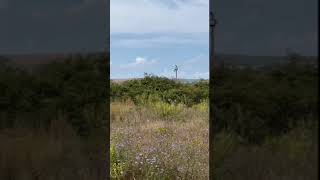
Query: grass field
x=293, y=156
x=159, y=141
x=56, y=153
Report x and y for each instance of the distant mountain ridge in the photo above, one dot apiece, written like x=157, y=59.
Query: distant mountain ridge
x=31, y=61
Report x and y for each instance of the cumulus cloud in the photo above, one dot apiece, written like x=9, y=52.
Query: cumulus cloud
x=139, y=63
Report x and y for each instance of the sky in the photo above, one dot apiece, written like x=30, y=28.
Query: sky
x=53, y=26
x=153, y=35
x=155, y=38
x=266, y=27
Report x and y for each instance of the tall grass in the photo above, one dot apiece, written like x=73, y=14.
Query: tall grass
x=56, y=153
x=148, y=142
x=293, y=156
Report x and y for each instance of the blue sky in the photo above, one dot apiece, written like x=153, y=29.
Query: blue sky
x=153, y=35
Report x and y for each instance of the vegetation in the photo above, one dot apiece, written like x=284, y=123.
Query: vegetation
x=159, y=129
x=53, y=121
x=160, y=88
x=256, y=104
x=265, y=124
x=158, y=140
x=266, y=121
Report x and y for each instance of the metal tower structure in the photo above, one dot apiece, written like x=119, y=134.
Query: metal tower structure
x=176, y=71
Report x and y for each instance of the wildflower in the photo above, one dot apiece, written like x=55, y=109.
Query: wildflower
x=180, y=169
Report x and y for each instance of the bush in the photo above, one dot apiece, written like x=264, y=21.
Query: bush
x=164, y=89
x=256, y=104
x=75, y=87
x=167, y=111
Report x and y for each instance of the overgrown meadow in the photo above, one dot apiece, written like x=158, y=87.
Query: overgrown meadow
x=159, y=129
x=265, y=124
x=54, y=123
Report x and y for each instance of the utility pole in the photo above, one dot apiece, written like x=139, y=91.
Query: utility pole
x=176, y=71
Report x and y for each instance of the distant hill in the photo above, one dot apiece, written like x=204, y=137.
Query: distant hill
x=191, y=80
x=119, y=81
x=255, y=61
x=32, y=61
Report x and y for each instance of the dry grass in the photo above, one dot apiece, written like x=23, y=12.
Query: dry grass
x=293, y=156
x=59, y=153
x=145, y=145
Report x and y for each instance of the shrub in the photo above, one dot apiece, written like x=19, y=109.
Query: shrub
x=167, y=111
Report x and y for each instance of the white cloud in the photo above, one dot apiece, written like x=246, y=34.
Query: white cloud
x=160, y=40
x=140, y=60
x=138, y=64
x=143, y=16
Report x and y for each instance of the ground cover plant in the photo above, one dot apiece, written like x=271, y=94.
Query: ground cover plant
x=53, y=120
x=159, y=129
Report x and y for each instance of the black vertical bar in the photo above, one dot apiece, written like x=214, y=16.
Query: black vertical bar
x=107, y=163
x=212, y=23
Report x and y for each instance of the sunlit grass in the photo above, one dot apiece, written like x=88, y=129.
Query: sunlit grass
x=150, y=144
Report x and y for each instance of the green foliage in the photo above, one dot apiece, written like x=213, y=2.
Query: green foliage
x=164, y=89
x=225, y=143
x=75, y=88
x=167, y=111
x=253, y=103
x=202, y=107
x=259, y=103
x=117, y=165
